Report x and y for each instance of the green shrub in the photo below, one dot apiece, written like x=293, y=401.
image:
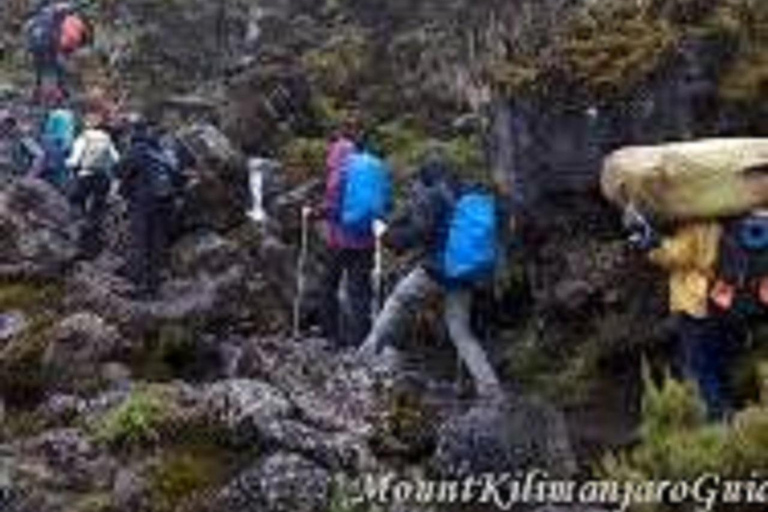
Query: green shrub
x=677, y=444
x=303, y=158
x=136, y=422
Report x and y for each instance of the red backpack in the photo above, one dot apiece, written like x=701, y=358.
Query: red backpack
x=73, y=33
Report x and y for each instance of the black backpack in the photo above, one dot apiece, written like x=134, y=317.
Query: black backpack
x=162, y=172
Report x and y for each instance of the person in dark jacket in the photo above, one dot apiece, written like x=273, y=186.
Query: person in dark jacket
x=150, y=207
x=425, y=226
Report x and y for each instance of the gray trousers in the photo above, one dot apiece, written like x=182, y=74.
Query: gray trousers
x=408, y=295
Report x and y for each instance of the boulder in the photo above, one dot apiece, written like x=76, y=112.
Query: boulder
x=64, y=459
x=504, y=436
x=280, y=483
x=78, y=345
x=332, y=393
x=204, y=298
x=38, y=228
x=244, y=407
x=203, y=252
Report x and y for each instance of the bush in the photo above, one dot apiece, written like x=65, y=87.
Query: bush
x=135, y=422
x=677, y=444
x=303, y=159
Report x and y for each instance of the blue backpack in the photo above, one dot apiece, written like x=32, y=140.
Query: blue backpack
x=367, y=192
x=61, y=125
x=471, y=245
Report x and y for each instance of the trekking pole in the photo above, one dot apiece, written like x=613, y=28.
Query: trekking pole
x=378, y=264
x=305, y=213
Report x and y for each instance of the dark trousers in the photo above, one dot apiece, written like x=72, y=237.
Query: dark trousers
x=707, y=347
x=357, y=265
x=149, y=240
x=47, y=64
x=90, y=196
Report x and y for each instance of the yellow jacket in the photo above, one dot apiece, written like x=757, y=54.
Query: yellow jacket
x=690, y=256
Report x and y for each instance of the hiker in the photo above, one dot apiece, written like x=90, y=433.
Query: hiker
x=92, y=163
x=429, y=224
x=54, y=31
x=58, y=135
x=149, y=183
x=705, y=342
x=23, y=152
x=350, y=247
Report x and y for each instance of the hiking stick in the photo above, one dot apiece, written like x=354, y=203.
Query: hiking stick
x=305, y=214
x=378, y=265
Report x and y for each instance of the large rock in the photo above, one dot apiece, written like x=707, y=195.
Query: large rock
x=78, y=346
x=204, y=298
x=505, y=436
x=281, y=483
x=245, y=407
x=331, y=392
x=64, y=460
x=38, y=228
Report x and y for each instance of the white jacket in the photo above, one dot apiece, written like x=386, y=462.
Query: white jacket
x=93, y=151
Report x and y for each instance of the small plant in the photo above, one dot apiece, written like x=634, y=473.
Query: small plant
x=135, y=422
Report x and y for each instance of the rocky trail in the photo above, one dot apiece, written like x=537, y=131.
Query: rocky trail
x=202, y=400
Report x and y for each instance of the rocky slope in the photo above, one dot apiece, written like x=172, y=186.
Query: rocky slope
x=200, y=400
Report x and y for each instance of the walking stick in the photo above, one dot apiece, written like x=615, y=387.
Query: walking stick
x=300, y=284
x=378, y=264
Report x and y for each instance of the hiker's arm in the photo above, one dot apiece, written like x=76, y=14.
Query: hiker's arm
x=77, y=153
x=673, y=252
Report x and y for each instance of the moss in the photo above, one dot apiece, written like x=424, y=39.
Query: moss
x=186, y=472
x=22, y=379
x=303, y=159
x=338, y=66
x=96, y=502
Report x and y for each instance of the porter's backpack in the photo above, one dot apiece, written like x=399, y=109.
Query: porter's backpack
x=471, y=245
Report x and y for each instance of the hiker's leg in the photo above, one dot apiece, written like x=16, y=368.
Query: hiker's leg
x=702, y=341
x=458, y=305
x=138, y=268
x=158, y=244
x=359, y=265
x=329, y=314
x=97, y=209
x=398, y=308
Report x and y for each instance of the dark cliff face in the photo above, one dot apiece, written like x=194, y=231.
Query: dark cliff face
x=558, y=141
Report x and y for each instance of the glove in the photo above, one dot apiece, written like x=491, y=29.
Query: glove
x=379, y=228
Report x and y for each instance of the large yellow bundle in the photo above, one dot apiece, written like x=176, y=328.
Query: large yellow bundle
x=706, y=179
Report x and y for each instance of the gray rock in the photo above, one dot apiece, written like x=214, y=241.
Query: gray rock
x=11, y=324
x=245, y=407
x=501, y=436
x=78, y=346
x=203, y=252
x=38, y=228
x=130, y=490
x=280, y=483
x=65, y=459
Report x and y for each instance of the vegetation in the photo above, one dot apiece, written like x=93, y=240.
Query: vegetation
x=182, y=473
x=137, y=421
x=678, y=443
x=22, y=379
